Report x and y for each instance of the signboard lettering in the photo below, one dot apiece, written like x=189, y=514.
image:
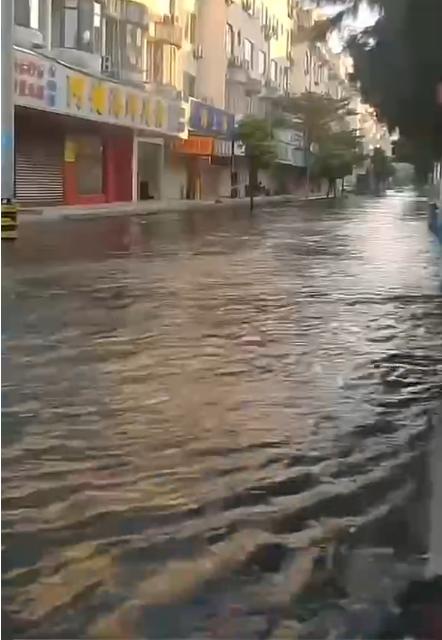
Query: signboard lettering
x=47, y=85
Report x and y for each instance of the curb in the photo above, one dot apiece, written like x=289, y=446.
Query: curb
x=68, y=213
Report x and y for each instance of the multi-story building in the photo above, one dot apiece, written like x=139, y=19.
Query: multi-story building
x=96, y=99
x=132, y=99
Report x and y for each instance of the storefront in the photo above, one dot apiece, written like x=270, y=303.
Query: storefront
x=39, y=149
x=77, y=136
x=206, y=155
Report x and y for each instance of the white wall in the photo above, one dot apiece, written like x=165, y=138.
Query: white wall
x=211, y=69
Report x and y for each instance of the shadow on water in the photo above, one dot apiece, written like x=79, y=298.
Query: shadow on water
x=217, y=424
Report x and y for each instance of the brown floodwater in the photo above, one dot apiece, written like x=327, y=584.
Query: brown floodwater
x=191, y=400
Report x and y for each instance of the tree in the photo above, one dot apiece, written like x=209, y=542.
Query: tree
x=256, y=135
x=326, y=126
x=382, y=169
x=336, y=157
x=398, y=64
x=320, y=114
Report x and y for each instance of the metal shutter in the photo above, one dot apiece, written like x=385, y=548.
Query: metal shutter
x=39, y=168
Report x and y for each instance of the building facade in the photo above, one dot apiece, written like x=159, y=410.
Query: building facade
x=120, y=100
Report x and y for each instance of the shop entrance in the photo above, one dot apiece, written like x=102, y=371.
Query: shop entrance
x=149, y=169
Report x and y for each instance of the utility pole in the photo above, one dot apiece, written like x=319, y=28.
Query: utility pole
x=9, y=209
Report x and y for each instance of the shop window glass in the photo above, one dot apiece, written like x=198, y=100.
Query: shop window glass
x=89, y=164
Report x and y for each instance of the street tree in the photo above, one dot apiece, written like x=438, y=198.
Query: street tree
x=320, y=114
x=256, y=135
x=327, y=130
x=336, y=158
x=382, y=169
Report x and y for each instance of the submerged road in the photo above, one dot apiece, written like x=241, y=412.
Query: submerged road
x=190, y=399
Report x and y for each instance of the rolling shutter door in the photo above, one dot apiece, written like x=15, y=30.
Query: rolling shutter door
x=39, y=168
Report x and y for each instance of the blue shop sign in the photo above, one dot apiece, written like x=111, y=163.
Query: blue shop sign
x=210, y=121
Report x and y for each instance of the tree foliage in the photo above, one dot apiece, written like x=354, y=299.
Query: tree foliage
x=256, y=135
x=398, y=64
x=320, y=114
x=326, y=128
x=337, y=155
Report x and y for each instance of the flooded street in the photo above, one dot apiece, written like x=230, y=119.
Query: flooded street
x=190, y=399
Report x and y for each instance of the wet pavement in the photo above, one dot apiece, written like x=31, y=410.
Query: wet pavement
x=191, y=402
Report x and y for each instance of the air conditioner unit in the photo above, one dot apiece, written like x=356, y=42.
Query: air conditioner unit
x=198, y=52
x=106, y=64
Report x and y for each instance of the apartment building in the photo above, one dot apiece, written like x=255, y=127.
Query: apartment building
x=132, y=99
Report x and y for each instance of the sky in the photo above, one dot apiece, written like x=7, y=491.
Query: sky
x=365, y=18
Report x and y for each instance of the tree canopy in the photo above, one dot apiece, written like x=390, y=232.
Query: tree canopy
x=256, y=135
x=337, y=147
x=398, y=65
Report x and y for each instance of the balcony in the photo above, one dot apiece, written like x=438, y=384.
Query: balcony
x=169, y=32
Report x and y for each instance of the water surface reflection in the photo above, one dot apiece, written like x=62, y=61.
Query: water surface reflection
x=189, y=400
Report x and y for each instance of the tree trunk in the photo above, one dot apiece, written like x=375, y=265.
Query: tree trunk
x=252, y=183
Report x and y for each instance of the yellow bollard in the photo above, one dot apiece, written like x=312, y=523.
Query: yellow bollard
x=9, y=219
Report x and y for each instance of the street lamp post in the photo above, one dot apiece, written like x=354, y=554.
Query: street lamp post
x=9, y=209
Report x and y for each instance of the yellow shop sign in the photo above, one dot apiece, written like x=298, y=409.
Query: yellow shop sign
x=110, y=102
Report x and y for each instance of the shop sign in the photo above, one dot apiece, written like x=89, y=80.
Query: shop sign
x=38, y=82
x=222, y=148
x=49, y=85
x=195, y=145
x=209, y=120
x=110, y=102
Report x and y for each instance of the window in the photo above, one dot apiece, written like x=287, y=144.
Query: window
x=172, y=7
x=26, y=13
x=70, y=24
x=274, y=71
x=148, y=62
x=191, y=28
x=307, y=63
x=262, y=62
x=77, y=24
x=171, y=66
x=97, y=29
x=285, y=84
x=248, y=51
x=188, y=85
x=229, y=40
x=134, y=49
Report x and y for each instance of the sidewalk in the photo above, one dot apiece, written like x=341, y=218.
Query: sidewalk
x=150, y=207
